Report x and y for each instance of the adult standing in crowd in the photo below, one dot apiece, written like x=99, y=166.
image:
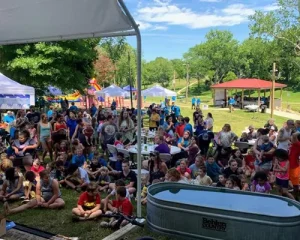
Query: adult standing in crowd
x=284, y=135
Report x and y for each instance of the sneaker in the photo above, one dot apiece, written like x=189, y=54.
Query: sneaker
x=104, y=224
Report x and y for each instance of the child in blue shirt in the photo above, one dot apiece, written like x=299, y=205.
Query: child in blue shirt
x=188, y=126
x=212, y=168
x=78, y=159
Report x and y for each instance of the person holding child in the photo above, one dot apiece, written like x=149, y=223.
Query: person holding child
x=88, y=205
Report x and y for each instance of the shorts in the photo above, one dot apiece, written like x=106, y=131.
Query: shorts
x=27, y=160
x=283, y=183
x=263, y=165
x=44, y=139
x=294, y=175
x=19, y=194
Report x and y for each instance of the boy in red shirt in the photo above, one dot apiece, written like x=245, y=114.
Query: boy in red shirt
x=294, y=159
x=88, y=205
x=121, y=205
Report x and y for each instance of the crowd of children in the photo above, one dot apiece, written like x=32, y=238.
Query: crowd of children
x=206, y=159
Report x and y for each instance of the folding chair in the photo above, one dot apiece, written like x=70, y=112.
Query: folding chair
x=113, y=151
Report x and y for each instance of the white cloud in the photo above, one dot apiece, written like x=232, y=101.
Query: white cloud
x=151, y=27
x=159, y=13
x=238, y=9
x=270, y=7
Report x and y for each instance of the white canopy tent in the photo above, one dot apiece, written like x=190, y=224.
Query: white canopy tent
x=112, y=91
x=158, y=91
x=14, y=95
x=53, y=20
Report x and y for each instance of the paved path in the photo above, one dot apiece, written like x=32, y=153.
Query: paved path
x=178, y=92
x=293, y=116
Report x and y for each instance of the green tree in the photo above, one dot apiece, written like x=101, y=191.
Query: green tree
x=158, y=71
x=126, y=67
x=219, y=53
x=115, y=48
x=229, y=76
x=66, y=64
x=180, y=69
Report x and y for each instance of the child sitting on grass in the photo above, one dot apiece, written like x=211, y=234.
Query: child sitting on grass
x=77, y=178
x=202, y=178
x=245, y=185
x=118, y=183
x=212, y=168
x=103, y=180
x=94, y=168
x=36, y=167
x=260, y=183
x=57, y=171
x=12, y=188
x=29, y=186
x=222, y=181
x=88, y=205
x=78, y=159
x=121, y=205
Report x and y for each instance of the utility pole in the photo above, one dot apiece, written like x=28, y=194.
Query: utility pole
x=273, y=90
x=187, y=83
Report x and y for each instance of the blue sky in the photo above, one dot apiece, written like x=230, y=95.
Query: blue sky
x=170, y=27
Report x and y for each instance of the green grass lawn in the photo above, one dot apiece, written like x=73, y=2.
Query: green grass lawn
x=60, y=221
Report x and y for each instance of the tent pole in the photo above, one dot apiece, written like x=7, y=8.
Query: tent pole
x=139, y=104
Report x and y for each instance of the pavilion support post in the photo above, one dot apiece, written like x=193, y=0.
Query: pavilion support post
x=242, y=98
x=281, y=91
x=214, y=96
x=273, y=90
x=258, y=100
x=265, y=93
x=225, y=96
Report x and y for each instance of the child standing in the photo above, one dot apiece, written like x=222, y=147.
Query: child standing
x=294, y=158
x=281, y=169
x=203, y=179
x=88, y=205
x=121, y=205
x=260, y=183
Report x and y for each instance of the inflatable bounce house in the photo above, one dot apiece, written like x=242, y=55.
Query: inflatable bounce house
x=55, y=95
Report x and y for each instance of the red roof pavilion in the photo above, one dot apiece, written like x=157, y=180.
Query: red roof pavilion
x=244, y=84
x=248, y=83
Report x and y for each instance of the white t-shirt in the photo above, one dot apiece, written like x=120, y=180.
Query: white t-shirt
x=113, y=193
x=84, y=175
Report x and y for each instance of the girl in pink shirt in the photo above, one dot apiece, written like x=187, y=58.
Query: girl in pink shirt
x=36, y=167
x=183, y=169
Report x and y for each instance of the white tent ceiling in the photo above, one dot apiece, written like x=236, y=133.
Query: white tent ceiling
x=112, y=91
x=51, y=20
x=158, y=91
